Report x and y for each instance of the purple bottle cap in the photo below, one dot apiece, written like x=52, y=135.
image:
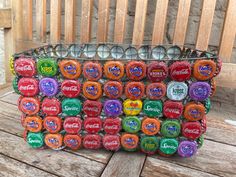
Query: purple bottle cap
x=112, y=108
x=187, y=148
x=199, y=91
x=48, y=86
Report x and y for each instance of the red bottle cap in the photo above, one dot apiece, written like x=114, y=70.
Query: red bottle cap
x=52, y=124
x=73, y=141
x=25, y=67
x=111, y=142
x=173, y=109
x=51, y=106
x=18, y=102
x=157, y=71
x=113, y=89
x=72, y=125
x=204, y=124
x=112, y=125
x=93, y=125
x=70, y=88
x=180, y=71
x=156, y=91
x=29, y=105
x=134, y=90
x=92, y=141
x=136, y=70
x=191, y=130
x=92, y=108
x=92, y=71
x=28, y=86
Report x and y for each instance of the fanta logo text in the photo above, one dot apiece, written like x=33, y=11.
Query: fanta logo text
x=156, y=92
x=92, y=90
x=32, y=124
x=53, y=141
x=130, y=141
x=136, y=91
x=51, y=125
x=72, y=142
x=136, y=71
x=205, y=70
x=29, y=106
x=115, y=70
x=113, y=90
x=93, y=72
x=151, y=127
x=132, y=124
x=71, y=69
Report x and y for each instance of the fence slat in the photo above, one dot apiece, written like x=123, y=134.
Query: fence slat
x=27, y=19
x=229, y=32
x=85, y=31
x=41, y=20
x=55, y=21
x=121, y=10
x=139, y=21
x=204, y=30
x=70, y=17
x=181, y=22
x=159, y=22
x=103, y=20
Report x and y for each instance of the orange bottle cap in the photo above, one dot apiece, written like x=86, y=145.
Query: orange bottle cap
x=92, y=90
x=150, y=126
x=129, y=141
x=29, y=105
x=114, y=70
x=70, y=69
x=33, y=123
x=52, y=124
x=92, y=71
x=73, y=141
x=136, y=70
x=134, y=90
x=53, y=141
x=204, y=69
x=194, y=111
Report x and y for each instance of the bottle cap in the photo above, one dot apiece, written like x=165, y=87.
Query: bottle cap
x=187, y=148
x=114, y=70
x=28, y=86
x=134, y=90
x=177, y=91
x=92, y=108
x=200, y=141
x=150, y=126
x=112, y=125
x=136, y=70
x=157, y=71
x=92, y=141
x=47, y=67
x=152, y=108
x=132, y=107
x=111, y=142
x=204, y=124
x=199, y=91
x=48, y=86
x=70, y=88
x=52, y=124
x=168, y=146
x=72, y=125
x=25, y=67
x=131, y=124
x=92, y=71
x=22, y=120
x=33, y=123
x=129, y=141
x=170, y=128
x=18, y=102
x=204, y=69
x=92, y=90
x=213, y=87
x=156, y=91
x=29, y=105
x=51, y=106
x=191, y=130
x=194, y=111
x=15, y=85
x=173, y=109
x=71, y=106
x=54, y=141
x=70, y=69
x=113, y=89
x=149, y=144
x=35, y=140
x=180, y=71
x=112, y=108
x=93, y=125
x=73, y=141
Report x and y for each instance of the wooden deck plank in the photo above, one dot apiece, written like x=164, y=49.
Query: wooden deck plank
x=156, y=167
x=124, y=164
x=11, y=167
x=56, y=162
x=214, y=158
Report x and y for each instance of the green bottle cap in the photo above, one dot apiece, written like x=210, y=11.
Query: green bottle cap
x=168, y=146
x=131, y=124
x=149, y=144
x=35, y=140
x=47, y=67
x=15, y=85
x=71, y=106
x=200, y=141
x=170, y=128
x=207, y=105
x=152, y=108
